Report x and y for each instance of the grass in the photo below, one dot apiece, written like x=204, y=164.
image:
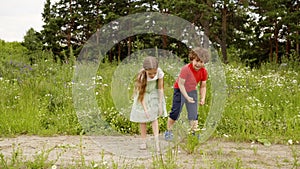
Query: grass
x=263, y=105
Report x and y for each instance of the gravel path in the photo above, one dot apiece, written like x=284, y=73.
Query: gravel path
x=124, y=150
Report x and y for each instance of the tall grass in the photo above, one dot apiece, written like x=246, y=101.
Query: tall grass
x=36, y=98
x=262, y=104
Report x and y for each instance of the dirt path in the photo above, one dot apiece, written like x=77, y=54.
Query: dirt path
x=124, y=150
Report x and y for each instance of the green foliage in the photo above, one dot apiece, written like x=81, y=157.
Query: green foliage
x=260, y=29
x=32, y=40
x=262, y=105
x=36, y=99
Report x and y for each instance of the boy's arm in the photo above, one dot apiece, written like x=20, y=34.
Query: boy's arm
x=202, y=92
x=183, y=91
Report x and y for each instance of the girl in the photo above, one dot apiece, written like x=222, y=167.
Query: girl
x=149, y=100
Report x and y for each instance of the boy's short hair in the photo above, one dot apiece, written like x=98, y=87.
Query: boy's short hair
x=199, y=53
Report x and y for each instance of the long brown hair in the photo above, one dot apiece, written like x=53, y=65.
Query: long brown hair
x=150, y=62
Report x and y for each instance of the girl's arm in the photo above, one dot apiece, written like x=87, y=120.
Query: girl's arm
x=145, y=109
x=183, y=91
x=202, y=92
x=160, y=94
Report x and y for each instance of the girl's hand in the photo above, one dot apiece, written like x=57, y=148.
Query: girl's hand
x=160, y=110
x=147, y=115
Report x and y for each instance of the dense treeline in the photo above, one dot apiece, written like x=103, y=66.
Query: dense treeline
x=254, y=30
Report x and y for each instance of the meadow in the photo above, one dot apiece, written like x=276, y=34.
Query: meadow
x=262, y=105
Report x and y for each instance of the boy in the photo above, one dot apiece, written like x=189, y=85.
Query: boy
x=185, y=90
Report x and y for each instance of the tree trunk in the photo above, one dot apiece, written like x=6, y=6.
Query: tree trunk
x=297, y=45
x=129, y=47
x=276, y=41
x=297, y=40
x=165, y=41
x=224, y=34
x=271, y=50
x=111, y=55
x=69, y=27
x=288, y=42
x=119, y=53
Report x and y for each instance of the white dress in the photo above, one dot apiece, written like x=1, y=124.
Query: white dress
x=151, y=99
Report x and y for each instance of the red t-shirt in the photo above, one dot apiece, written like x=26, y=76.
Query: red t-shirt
x=191, y=76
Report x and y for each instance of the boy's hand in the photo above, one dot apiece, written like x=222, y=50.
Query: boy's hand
x=202, y=102
x=190, y=100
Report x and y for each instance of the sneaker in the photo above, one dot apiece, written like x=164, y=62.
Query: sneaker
x=168, y=135
x=143, y=146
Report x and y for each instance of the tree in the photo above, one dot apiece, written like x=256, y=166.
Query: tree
x=259, y=29
x=51, y=28
x=291, y=26
x=32, y=40
x=277, y=27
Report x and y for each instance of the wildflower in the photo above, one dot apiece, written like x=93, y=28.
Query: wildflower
x=225, y=135
x=54, y=167
x=48, y=95
x=99, y=77
x=290, y=141
x=279, y=84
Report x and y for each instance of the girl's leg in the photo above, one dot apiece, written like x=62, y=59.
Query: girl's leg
x=155, y=130
x=155, y=127
x=143, y=130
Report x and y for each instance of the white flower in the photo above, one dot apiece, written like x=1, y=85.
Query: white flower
x=48, y=95
x=99, y=77
x=54, y=167
x=290, y=141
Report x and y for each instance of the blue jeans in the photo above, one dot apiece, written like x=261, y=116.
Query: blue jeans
x=179, y=101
